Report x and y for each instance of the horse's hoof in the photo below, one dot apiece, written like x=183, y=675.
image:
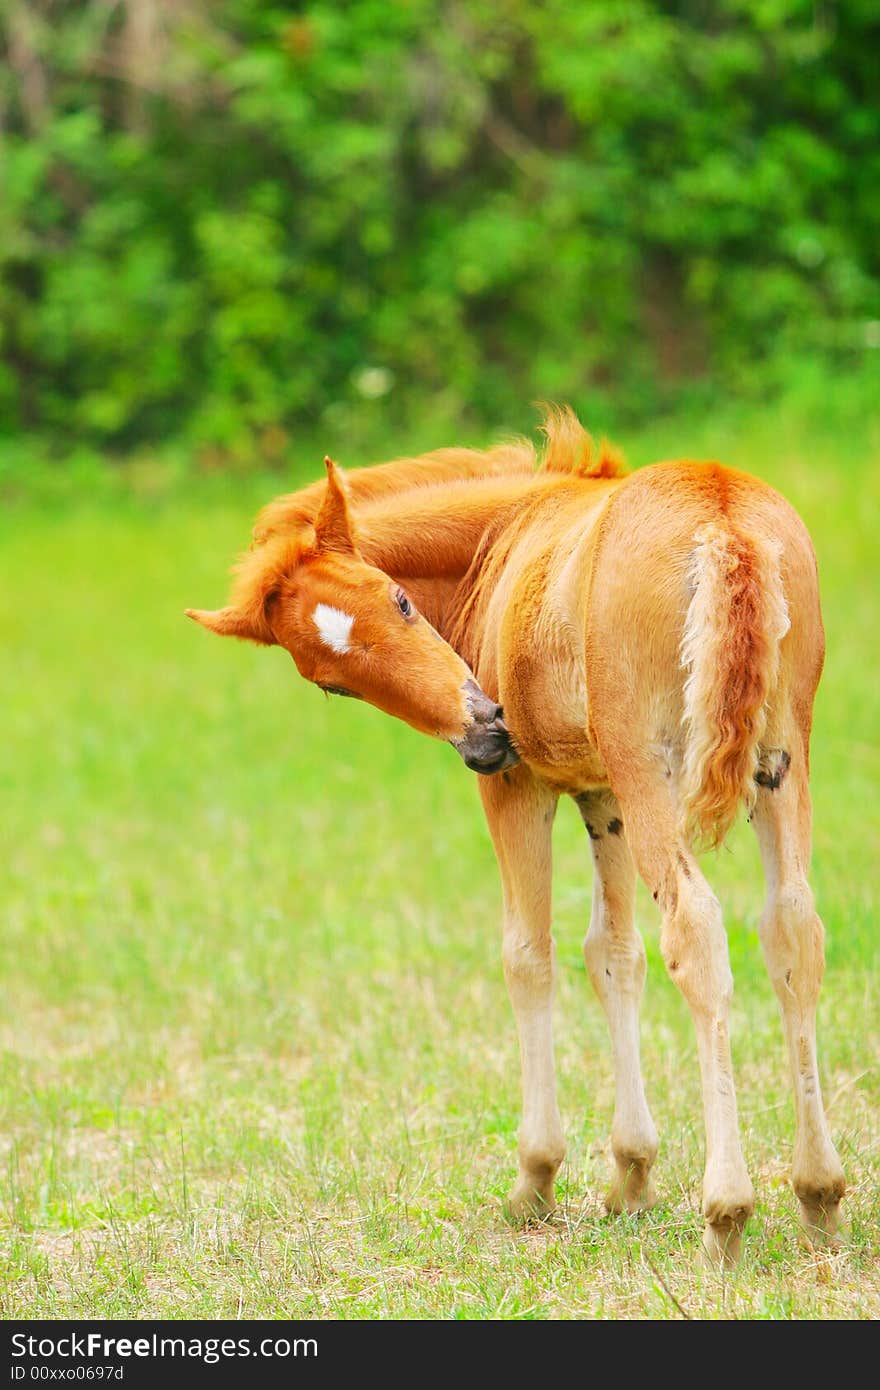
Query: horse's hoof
x=726, y=1212
x=631, y=1190
x=820, y=1221
x=722, y=1240
x=527, y=1206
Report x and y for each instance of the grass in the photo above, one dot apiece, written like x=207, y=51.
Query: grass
x=257, y=1057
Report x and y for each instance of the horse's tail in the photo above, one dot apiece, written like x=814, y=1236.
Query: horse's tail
x=730, y=651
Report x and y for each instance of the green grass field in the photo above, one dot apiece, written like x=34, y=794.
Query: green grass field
x=257, y=1056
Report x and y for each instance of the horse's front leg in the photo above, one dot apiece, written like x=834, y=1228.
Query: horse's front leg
x=520, y=812
x=615, y=960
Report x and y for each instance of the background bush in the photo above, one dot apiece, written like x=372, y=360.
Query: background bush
x=226, y=222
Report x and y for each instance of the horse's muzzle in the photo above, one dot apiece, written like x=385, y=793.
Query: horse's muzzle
x=485, y=746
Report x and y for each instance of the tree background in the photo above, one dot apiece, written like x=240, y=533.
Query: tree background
x=227, y=224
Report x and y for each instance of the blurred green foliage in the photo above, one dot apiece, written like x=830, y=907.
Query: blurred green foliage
x=221, y=222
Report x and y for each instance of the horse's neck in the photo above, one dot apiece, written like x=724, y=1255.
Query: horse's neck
x=431, y=539
x=433, y=532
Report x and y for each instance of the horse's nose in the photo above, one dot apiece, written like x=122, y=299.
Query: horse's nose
x=487, y=750
x=483, y=710
x=486, y=745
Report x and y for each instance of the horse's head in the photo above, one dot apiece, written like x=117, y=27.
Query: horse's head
x=353, y=631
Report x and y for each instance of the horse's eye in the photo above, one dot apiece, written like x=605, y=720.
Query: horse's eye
x=404, y=604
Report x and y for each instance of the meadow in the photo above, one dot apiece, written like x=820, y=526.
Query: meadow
x=257, y=1056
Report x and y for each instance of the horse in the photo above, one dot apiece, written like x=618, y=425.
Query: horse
x=648, y=643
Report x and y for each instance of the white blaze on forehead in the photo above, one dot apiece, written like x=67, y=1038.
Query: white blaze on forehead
x=334, y=627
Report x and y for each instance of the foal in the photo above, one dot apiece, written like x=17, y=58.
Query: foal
x=656, y=641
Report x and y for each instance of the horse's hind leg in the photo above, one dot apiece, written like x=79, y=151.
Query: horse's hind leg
x=694, y=946
x=520, y=812
x=615, y=960
x=793, y=938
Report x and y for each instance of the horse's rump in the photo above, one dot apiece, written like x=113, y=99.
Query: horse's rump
x=687, y=613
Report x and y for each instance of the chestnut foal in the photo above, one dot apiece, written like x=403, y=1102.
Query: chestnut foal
x=655, y=639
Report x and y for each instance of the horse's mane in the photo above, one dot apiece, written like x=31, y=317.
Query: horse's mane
x=571, y=449
x=568, y=449
x=296, y=510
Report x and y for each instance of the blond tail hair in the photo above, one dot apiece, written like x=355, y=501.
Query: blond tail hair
x=730, y=653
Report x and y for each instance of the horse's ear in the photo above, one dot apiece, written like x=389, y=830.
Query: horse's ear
x=333, y=526
x=232, y=622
